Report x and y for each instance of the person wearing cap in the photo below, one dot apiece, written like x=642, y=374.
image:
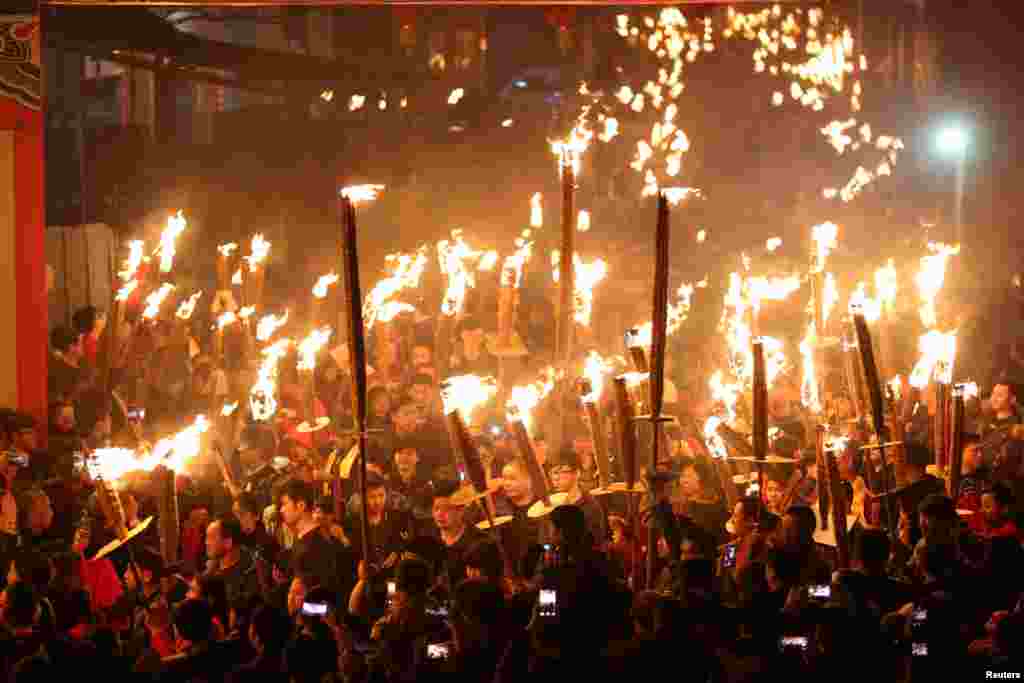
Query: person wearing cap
x=565, y=475
x=448, y=510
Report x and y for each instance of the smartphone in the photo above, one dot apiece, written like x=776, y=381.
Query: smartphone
x=729, y=556
x=793, y=642
x=821, y=591
x=439, y=650
x=919, y=649
x=314, y=609
x=547, y=603
x=919, y=615
x=392, y=588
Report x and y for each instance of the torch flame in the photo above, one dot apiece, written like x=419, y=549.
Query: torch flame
x=186, y=308
x=512, y=269
x=226, y=318
x=229, y=409
x=262, y=399
x=930, y=278
x=466, y=393
x=523, y=399
x=236, y=279
x=896, y=387
x=269, y=324
x=176, y=225
x=310, y=346
x=674, y=195
x=825, y=237
x=587, y=276
x=361, y=193
x=809, y=383
x=583, y=221
x=259, y=250
x=454, y=257
x=246, y=312
x=861, y=302
x=132, y=263
x=405, y=273
x=773, y=243
x=174, y=452
x=536, y=211
x=227, y=249
x=938, y=352
x=126, y=291
x=325, y=281
x=594, y=369
x=570, y=150
x=886, y=286
x=154, y=301
x=715, y=443
x=456, y=95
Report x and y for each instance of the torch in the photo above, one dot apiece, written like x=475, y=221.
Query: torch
x=877, y=408
x=356, y=339
x=259, y=250
x=167, y=512
x=589, y=396
x=308, y=350
x=566, y=294
x=957, y=440
x=223, y=320
x=760, y=390
x=837, y=495
x=224, y=252
x=538, y=476
x=319, y=294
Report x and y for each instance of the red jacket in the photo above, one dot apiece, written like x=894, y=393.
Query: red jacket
x=101, y=581
x=979, y=525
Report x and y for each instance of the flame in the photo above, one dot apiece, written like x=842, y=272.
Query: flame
x=896, y=387
x=269, y=324
x=356, y=102
x=361, y=193
x=310, y=347
x=771, y=289
x=512, y=269
x=583, y=221
x=466, y=393
x=176, y=225
x=258, y=251
x=824, y=236
x=677, y=314
x=773, y=243
x=860, y=302
x=674, y=195
x=405, y=273
x=262, y=401
x=726, y=393
x=155, y=299
x=487, y=261
x=570, y=150
x=523, y=400
x=938, y=352
x=246, y=312
x=188, y=306
x=970, y=390
x=809, y=382
x=236, y=279
x=714, y=442
x=454, y=257
x=536, y=211
x=742, y=296
x=229, y=409
x=588, y=275
x=325, y=281
x=174, y=452
x=227, y=249
x=930, y=278
x=226, y=318
x=594, y=369
x=134, y=260
x=126, y=291
x=456, y=95
x=886, y=286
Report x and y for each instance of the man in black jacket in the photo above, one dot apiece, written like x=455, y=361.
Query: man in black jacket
x=231, y=560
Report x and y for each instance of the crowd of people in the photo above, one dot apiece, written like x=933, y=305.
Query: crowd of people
x=269, y=578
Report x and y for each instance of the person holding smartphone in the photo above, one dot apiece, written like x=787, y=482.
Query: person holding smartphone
x=314, y=651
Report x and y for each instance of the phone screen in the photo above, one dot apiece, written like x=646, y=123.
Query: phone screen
x=797, y=642
x=438, y=651
x=919, y=615
x=729, y=556
x=819, y=592
x=392, y=587
x=547, y=603
x=314, y=609
x=919, y=649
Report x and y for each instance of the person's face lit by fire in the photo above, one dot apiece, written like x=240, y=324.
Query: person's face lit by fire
x=773, y=492
x=565, y=478
x=376, y=499
x=971, y=459
x=447, y=517
x=1002, y=400
x=743, y=523
x=292, y=511
x=689, y=482
x=515, y=482
x=405, y=463
x=422, y=356
x=406, y=419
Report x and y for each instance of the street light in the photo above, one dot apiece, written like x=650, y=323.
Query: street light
x=953, y=141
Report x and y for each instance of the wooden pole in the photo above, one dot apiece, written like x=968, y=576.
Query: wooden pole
x=940, y=425
x=600, y=437
x=566, y=301
x=538, y=476
x=874, y=388
x=956, y=449
x=822, y=480
x=837, y=497
x=167, y=512
x=356, y=353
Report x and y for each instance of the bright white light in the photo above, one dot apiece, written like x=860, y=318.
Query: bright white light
x=952, y=140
